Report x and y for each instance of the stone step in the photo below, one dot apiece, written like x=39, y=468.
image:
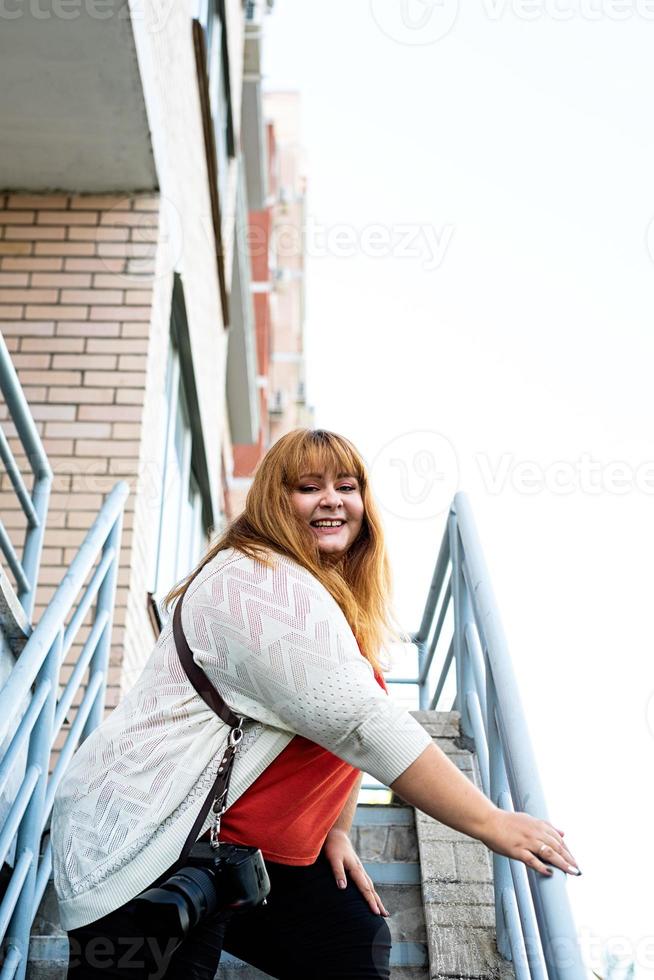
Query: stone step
x=408, y=962
x=48, y=960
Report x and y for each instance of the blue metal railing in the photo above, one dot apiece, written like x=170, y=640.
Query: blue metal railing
x=534, y=923
x=34, y=503
x=34, y=682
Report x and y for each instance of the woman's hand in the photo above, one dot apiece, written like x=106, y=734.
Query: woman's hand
x=344, y=859
x=528, y=839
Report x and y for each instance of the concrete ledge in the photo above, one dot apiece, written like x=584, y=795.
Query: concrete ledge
x=457, y=877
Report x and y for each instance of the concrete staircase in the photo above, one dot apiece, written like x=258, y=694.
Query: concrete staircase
x=385, y=839
x=436, y=883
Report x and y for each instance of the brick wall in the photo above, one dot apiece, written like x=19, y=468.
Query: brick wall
x=76, y=311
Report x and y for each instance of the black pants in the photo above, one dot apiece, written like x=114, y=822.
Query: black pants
x=309, y=930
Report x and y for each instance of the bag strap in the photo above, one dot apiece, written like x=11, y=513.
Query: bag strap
x=196, y=675
x=208, y=693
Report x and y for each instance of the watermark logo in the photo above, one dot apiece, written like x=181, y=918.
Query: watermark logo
x=415, y=475
x=417, y=241
x=415, y=22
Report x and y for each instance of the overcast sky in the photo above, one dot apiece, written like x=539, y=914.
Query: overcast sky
x=479, y=318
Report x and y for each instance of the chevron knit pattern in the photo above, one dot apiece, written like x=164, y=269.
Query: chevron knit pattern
x=276, y=645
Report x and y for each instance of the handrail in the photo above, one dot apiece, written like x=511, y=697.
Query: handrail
x=534, y=923
x=34, y=504
x=33, y=712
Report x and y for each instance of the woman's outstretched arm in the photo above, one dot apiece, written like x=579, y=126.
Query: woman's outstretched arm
x=433, y=784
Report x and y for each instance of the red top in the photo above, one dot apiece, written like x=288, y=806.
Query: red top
x=288, y=811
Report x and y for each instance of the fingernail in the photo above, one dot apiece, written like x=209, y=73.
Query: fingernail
x=573, y=870
x=341, y=883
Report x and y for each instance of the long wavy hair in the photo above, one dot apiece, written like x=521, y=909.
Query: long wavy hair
x=360, y=580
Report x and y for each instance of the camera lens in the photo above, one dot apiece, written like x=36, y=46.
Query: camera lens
x=179, y=903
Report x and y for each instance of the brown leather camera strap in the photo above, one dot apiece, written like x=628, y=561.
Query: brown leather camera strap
x=210, y=696
x=196, y=675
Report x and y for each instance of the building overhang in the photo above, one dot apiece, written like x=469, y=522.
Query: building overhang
x=242, y=391
x=253, y=130
x=73, y=114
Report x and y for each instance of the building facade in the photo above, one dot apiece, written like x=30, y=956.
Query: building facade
x=138, y=314
x=277, y=248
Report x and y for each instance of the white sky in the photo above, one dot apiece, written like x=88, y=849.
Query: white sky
x=525, y=148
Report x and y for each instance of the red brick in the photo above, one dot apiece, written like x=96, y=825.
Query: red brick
x=104, y=447
x=98, y=202
x=110, y=345
x=110, y=413
x=130, y=396
x=84, y=362
x=15, y=248
x=33, y=264
x=65, y=248
x=59, y=344
x=98, y=234
x=125, y=430
x=82, y=395
x=19, y=327
x=142, y=267
x=132, y=362
x=101, y=265
x=67, y=218
x=38, y=201
x=86, y=329
x=121, y=466
x=31, y=360
x=95, y=296
x=137, y=296
x=28, y=295
x=14, y=279
x=129, y=218
x=54, y=447
x=56, y=312
x=120, y=312
x=11, y=312
x=51, y=377
x=146, y=203
x=78, y=430
x=61, y=280
x=50, y=233
x=16, y=217
x=120, y=281
x=34, y=394
x=114, y=379
x=129, y=250
x=63, y=413
x=135, y=330
x=52, y=556
x=144, y=234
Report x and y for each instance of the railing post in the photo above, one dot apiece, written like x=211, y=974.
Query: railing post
x=28, y=839
x=497, y=780
x=460, y=605
x=104, y=602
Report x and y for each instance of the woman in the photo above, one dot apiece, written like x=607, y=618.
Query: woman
x=286, y=614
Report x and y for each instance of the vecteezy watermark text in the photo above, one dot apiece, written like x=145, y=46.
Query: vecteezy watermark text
x=407, y=240
x=561, y=476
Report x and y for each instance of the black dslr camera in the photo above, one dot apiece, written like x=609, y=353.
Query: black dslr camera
x=213, y=880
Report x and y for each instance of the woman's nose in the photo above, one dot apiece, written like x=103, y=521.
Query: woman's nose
x=330, y=498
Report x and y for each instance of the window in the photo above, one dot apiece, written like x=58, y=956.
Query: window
x=181, y=536
x=211, y=16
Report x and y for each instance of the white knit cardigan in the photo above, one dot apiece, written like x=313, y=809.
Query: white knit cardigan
x=278, y=648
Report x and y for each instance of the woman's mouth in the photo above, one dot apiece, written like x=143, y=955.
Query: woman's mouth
x=327, y=527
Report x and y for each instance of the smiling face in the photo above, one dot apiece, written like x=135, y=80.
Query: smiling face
x=336, y=501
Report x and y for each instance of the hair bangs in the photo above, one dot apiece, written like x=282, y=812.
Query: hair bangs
x=319, y=451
